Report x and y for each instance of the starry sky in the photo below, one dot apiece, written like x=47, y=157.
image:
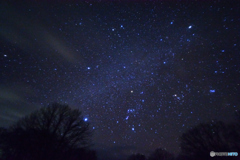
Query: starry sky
x=142, y=72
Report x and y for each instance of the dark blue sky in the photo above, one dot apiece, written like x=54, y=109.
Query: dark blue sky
x=142, y=72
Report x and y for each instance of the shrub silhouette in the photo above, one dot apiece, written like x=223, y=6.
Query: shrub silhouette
x=198, y=142
x=161, y=154
x=137, y=156
x=52, y=132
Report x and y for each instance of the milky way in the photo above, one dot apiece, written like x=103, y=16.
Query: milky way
x=142, y=73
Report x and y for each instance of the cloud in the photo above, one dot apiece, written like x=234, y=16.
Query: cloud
x=57, y=45
x=14, y=104
x=7, y=94
x=29, y=35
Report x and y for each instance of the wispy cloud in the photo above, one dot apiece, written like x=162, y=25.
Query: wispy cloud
x=14, y=104
x=27, y=34
x=60, y=47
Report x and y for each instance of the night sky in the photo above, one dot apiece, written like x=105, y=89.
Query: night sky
x=143, y=72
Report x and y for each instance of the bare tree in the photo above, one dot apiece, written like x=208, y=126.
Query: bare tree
x=52, y=132
x=197, y=143
x=60, y=120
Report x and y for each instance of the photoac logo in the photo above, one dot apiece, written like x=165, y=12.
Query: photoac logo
x=212, y=153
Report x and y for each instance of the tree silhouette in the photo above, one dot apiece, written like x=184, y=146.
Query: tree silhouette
x=161, y=154
x=197, y=143
x=137, y=156
x=83, y=154
x=233, y=136
x=52, y=132
x=3, y=132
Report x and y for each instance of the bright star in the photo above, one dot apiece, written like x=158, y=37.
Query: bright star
x=212, y=91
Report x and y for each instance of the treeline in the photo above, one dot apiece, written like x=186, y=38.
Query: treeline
x=58, y=132
x=55, y=132
x=199, y=141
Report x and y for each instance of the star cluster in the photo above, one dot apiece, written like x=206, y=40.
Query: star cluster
x=142, y=73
